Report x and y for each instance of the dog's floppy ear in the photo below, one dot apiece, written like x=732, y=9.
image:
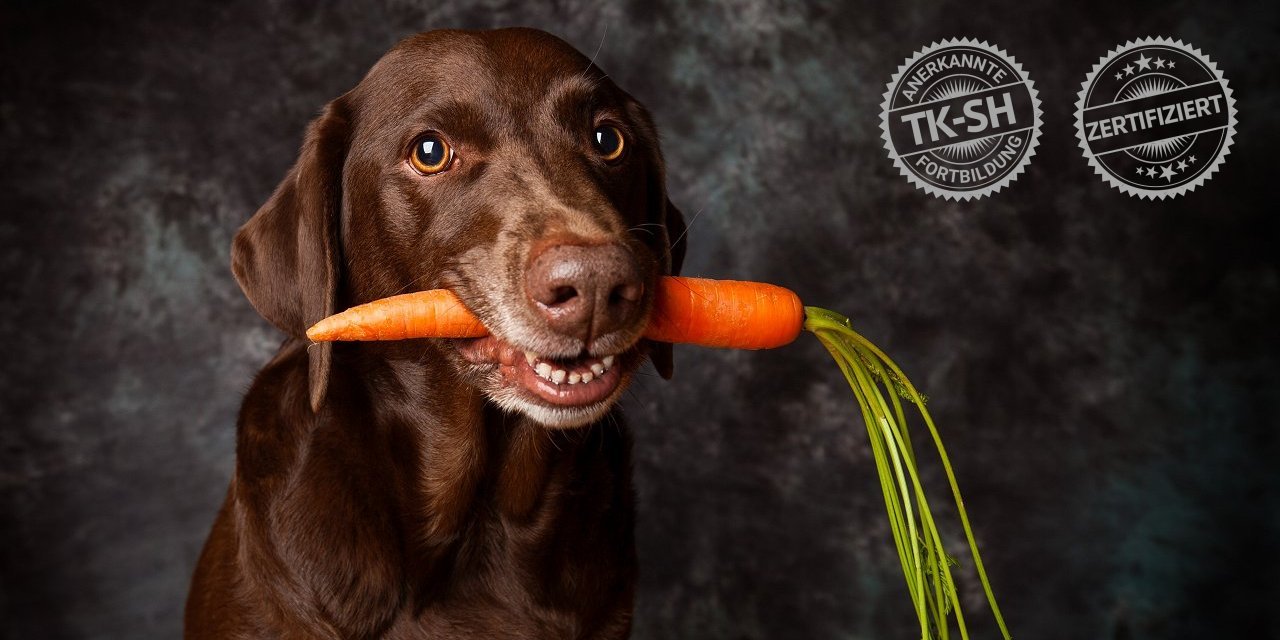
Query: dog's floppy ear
x=661, y=352
x=286, y=256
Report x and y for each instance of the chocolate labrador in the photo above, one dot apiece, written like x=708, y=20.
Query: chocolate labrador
x=448, y=488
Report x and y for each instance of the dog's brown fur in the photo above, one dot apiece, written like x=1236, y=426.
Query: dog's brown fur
x=378, y=491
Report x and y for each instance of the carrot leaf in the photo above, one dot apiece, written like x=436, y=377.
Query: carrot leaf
x=926, y=566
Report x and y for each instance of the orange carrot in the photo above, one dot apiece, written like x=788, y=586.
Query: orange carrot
x=711, y=313
x=725, y=313
x=424, y=314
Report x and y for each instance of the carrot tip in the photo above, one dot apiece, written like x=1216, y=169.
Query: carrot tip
x=320, y=332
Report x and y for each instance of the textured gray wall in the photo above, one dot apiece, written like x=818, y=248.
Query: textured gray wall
x=1104, y=368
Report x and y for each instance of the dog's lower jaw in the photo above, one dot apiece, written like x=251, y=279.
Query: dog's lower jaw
x=512, y=400
x=521, y=383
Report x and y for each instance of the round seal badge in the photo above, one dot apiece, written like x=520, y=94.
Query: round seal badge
x=960, y=119
x=1155, y=118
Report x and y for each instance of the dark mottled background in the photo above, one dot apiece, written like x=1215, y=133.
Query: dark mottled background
x=1104, y=368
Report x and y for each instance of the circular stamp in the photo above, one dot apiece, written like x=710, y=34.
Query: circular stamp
x=960, y=119
x=1155, y=118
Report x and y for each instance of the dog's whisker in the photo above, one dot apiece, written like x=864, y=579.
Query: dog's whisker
x=452, y=265
x=411, y=283
x=617, y=426
x=689, y=226
x=551, y=437
x=599, y=47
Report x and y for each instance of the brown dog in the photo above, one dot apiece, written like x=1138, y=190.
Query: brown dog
x=416, y=489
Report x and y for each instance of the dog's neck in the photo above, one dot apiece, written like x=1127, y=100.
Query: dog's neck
x=463, y=449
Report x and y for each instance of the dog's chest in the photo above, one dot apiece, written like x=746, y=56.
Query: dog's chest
x=512, y=580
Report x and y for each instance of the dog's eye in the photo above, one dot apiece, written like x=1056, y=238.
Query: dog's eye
x=608, y=142
x=431, y=154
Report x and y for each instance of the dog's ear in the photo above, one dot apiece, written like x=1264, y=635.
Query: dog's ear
x=661, y=352
x=286, y=256
x=664, y=212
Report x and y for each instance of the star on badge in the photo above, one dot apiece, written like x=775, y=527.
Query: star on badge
x=1144, y=62
x=1166, y=173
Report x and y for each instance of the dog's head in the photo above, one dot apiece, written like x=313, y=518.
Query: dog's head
x=502, y=165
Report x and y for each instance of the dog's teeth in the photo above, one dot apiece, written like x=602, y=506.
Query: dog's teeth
x=608, y=361
x=544, y=370
x=558, y=376
x=597, y=368
x=575, y=378
x=529, y=357
x=586, y=377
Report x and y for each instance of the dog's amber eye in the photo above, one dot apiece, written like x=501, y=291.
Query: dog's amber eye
x=431, y=154
x=608, y=142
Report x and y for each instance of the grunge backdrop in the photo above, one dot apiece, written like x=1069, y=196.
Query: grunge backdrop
x=1103, y=367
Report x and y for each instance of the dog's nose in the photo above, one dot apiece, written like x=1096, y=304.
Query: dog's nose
x=585, y=291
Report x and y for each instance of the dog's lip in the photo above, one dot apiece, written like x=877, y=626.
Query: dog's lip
x=581, y=394
x=564, y=382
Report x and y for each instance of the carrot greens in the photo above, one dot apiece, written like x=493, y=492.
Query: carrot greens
x=879, y=387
